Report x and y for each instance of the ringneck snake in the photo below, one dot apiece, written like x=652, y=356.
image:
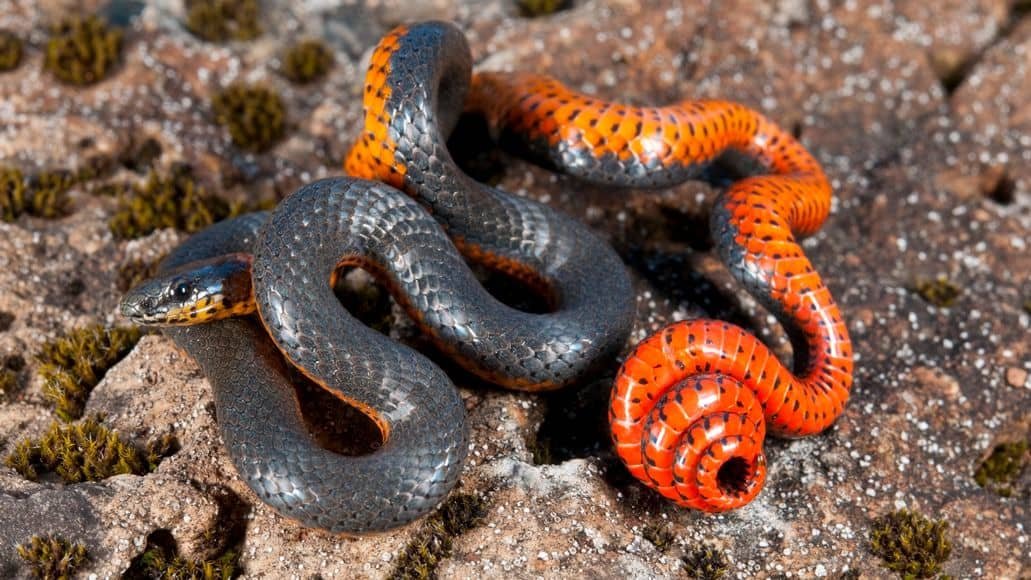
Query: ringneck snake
x=691, y=404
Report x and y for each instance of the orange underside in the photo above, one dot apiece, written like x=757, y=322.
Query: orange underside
x=698, y=396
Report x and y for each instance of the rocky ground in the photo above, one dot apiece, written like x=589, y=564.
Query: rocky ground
x=920, y=112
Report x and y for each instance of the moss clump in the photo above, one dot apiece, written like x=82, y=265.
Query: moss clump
x=1001, y=469
x=659, y=536
x=77, y=452
x=45, y=194
x=910, y=544
x=10, y=51
x=223, y=20
x=81, y=51
x=48, y=194
x=434, y=542
x=254, y=115
x=74, y=363
x=705, y=562
x=159, y=562
x=939, y=292
x=307, y=61
x=533, y=8
x=173, y=201
x=52, y=557
x=13, y=196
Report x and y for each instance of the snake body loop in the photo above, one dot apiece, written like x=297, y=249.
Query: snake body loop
x=417, y=82
x=346, y=222
x=419, y=412
x=692, y=403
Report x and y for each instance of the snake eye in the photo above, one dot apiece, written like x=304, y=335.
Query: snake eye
x=182, y=290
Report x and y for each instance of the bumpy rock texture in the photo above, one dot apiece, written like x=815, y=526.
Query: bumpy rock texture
x=919, y=111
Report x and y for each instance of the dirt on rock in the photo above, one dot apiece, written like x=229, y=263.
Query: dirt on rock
x=920, y=113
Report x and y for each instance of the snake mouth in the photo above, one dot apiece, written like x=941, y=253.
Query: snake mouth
x=140, y=310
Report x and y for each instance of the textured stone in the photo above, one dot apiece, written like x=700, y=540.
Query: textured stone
x=928, y=183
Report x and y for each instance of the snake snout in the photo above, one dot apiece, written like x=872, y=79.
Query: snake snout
x=137, y=306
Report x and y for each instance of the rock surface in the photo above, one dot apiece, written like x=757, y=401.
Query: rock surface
x=920, y=115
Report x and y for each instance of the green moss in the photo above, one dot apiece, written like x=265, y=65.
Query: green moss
x=13, y=196
x=173, y=201
x=223, y=20
x=52, y=557
x=73, y=364
x=158, y=563
x=253, y=114
x=161, y=559
x=435, y=540
x=77, y=452
x=939, y=292
x=45, y=194
x=659, y=535
x=533, y=8
x=910, y=544
x=1002, y=468
x=48, y=194
x=10, y=51
x=307, y=61
x=705, y=562
x=82, y=51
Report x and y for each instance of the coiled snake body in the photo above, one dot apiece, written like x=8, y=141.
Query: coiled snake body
x=346, y=221
x=691, y=403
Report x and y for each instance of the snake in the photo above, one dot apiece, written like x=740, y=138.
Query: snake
x=691, y=404
x=251, y=300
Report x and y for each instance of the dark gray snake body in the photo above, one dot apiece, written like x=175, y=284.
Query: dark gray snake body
x=344, y=221
x=296, y=251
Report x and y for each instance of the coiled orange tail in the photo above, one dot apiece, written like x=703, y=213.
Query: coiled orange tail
x=691, y=406
x=694, y=436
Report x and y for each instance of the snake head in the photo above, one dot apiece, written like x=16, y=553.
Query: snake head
x=195, y=293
